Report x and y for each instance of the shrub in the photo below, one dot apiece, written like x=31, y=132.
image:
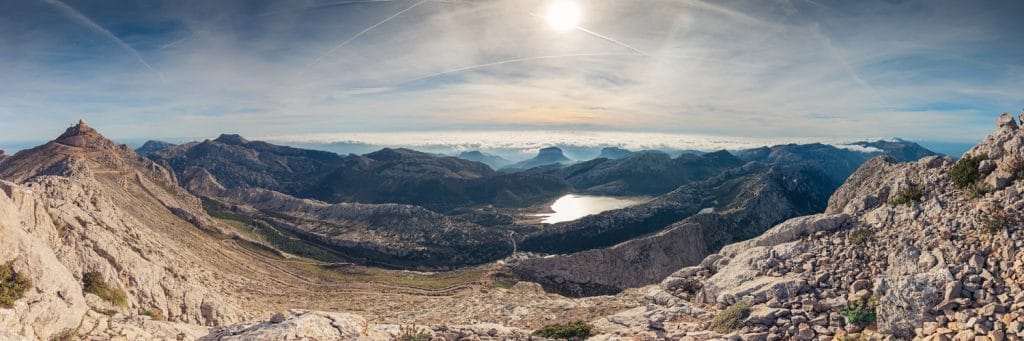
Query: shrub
x=576, y=330
x=861, y=236
x=977, y=189
x=66, y=335
x=155, y=314
x=965, y=172
x=906, y=196
x=13, y=285
x=995, y=221
x=93, y=283
x=860, y=313
x=413, y=333
x=731, y=319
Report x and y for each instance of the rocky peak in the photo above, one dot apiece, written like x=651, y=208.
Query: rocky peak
x=84, y=136
x=1003, y=151
x=1006, y=121
x=232, y=139
x=551, y=153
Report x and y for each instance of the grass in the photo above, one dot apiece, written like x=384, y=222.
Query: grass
x=576, y=330
x=906, y=196
x=153, y=313
x=413, y=333
x=995, y=221
x=731, y=319
x=860, y=236
x=860, y=313
x=965, y=172
x=13, y=285
x=93, y=283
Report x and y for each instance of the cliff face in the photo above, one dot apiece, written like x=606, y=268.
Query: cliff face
x=83, y=205
x=902, y=250
x=742, y=205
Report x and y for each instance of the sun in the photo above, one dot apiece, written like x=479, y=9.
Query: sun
x=563, y=15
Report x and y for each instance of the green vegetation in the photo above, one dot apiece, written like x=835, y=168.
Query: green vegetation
x=906, y=196
x=93, y=283
x=860, y=236
x=576, y=330
x=153, y=313
x=413, y=333
x=282, y=240
x=976, y=190
x=731, y=319
x=965, y=172
x=995, y=221
x=13, y=285
x=860, y=313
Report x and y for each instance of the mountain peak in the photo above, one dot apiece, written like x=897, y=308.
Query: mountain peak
x=233, y=139
x=84, y=136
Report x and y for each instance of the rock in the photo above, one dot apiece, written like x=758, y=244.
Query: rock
x=307, y=324
x=1006, y=121
x=905, y=302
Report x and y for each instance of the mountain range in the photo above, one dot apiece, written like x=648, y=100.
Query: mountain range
x=236, y=239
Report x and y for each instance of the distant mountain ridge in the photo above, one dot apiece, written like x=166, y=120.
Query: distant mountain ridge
x=546, y=156
x=495, y=161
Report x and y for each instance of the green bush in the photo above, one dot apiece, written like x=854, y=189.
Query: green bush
x=413, y=333
x=965, y=172
x=13, y=285
x=906, y=196
x=731, y=319
x=977, y=189
x=861, y=236
x=576, y=330
x=93, y=283
x=860, y=313
x=995, y=221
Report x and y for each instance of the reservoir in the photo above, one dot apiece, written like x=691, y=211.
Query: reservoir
x=573, y=206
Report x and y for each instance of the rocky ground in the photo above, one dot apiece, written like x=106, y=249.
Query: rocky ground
x=901, y=252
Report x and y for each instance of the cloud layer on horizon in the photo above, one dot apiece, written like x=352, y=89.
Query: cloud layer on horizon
x=917, y=69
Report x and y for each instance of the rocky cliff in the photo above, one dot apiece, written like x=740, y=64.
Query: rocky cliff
x=924, y=250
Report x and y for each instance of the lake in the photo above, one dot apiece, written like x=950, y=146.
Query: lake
x=573, y=206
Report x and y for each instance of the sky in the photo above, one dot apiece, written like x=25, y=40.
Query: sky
x=924, y=70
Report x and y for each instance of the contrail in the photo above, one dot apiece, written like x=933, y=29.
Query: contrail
x=364, y=31
x=606, y=38
x=82, y=19
x=610, y=39
x=511, y=61
x=318, y=6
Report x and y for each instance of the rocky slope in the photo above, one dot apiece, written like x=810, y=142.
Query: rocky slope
x=902, y=251
x=839, y=163
x=644, y=173
x=437, y=183
x=387, y=235
x=83, y=205
x=738, y=205
x=237, y=162
x=399, y=176
x=153, y=146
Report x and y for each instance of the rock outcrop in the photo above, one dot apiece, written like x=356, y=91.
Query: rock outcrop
x=900, y=252
x=82, y=204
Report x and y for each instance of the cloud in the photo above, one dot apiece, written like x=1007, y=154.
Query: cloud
x=765, y=70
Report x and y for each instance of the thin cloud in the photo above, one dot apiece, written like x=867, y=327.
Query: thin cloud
x=85, y=21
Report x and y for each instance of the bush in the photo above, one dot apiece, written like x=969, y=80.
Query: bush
x=13, y=285
x=93, y=283
x=860, y=237
x=965, y=172
x=995, y=221
x=977, y=189
x=576, y=330
x=155, y=314
x=413, y=333
x=731, y=319
x=860, y=313
x=906, y=196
